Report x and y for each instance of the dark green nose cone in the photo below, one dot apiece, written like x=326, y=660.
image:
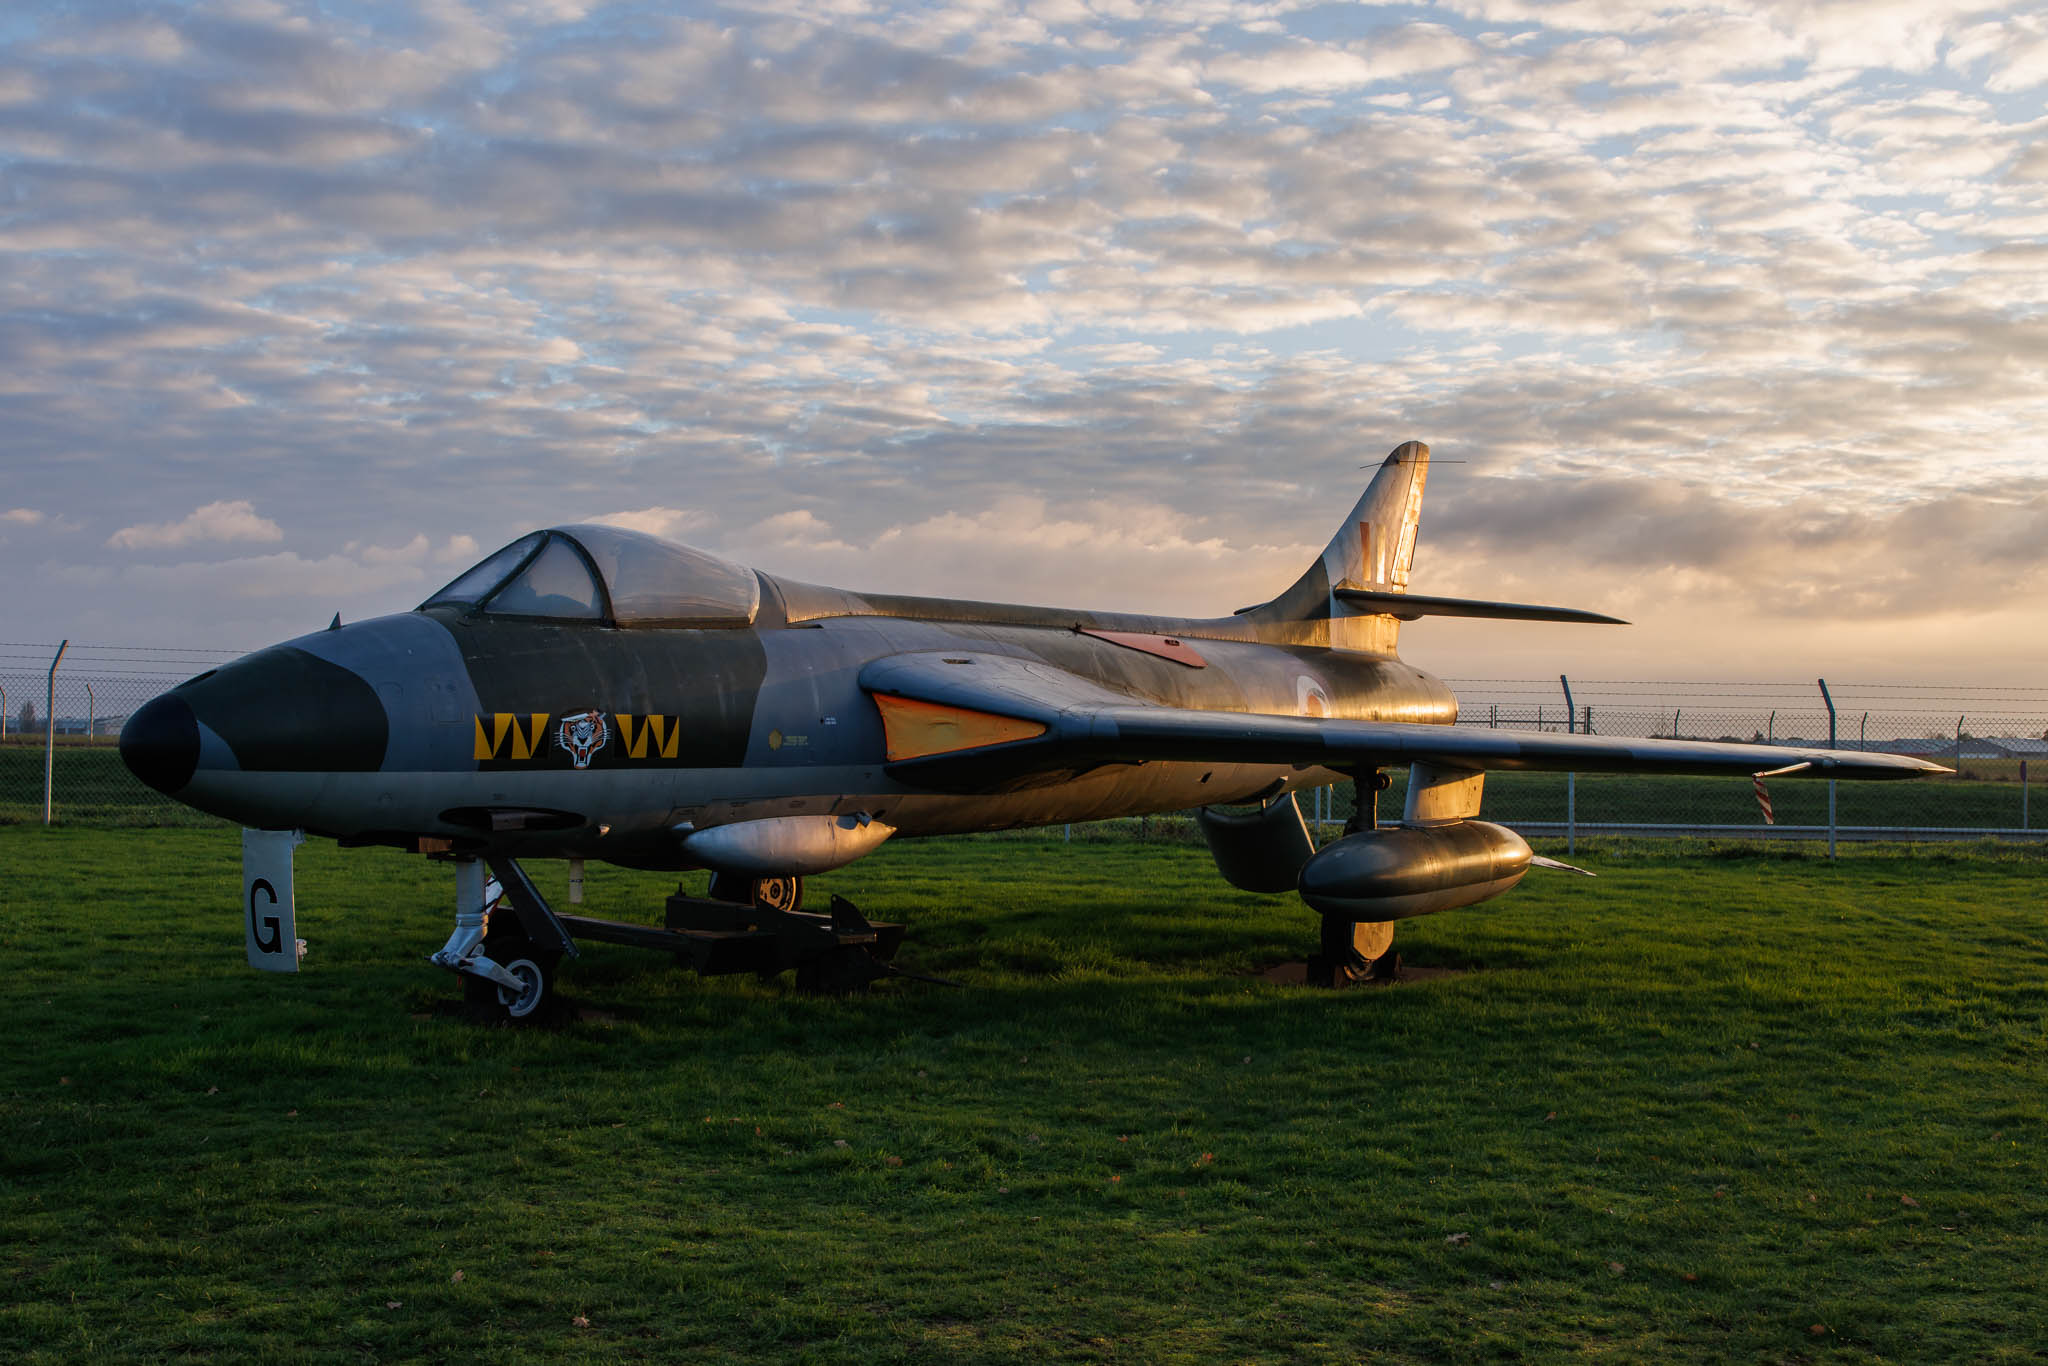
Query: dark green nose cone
x=160, y=743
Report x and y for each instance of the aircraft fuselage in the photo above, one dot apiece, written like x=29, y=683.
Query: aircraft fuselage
x=579, y=740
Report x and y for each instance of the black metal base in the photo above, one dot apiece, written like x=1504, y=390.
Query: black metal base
x=836, y=953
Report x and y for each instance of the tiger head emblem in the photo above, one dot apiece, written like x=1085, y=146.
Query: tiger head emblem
x=582, y=734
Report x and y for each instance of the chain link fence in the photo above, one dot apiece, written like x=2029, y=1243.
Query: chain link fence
x=1995, y=738
x=65, y=717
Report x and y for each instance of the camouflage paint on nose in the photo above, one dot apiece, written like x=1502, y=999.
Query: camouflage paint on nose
x=160, y=743
x=283, y=710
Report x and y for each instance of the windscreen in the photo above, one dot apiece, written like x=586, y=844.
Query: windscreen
x=487, y=574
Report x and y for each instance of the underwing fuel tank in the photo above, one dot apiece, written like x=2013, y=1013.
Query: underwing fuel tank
x=787, y=846
x=1408, y=870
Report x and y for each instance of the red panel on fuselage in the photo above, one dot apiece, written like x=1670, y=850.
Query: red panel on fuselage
x=1166, y=647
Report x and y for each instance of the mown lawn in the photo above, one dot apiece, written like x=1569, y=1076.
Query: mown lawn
x=1734, y=1104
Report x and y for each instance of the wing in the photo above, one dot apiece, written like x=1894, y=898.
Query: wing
x=971, y=723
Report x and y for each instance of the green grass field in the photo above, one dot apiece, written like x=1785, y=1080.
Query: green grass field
x=1731, y=1104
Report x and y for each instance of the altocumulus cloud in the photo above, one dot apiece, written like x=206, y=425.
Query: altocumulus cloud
x=1726, y=306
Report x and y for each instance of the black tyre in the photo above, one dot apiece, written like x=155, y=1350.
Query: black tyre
x=535, y=969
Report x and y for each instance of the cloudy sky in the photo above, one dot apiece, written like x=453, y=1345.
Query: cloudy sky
x=1727, y=318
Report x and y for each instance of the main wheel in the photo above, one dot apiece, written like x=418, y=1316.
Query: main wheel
x=779, y=893
x=1353, y=951
x=769, y=893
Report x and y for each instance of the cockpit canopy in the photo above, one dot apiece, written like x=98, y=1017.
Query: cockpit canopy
x=606, y=575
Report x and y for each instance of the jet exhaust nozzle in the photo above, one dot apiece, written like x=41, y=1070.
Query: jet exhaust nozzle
x=1408, y=870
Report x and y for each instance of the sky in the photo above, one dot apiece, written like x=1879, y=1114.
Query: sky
x=1730, y=319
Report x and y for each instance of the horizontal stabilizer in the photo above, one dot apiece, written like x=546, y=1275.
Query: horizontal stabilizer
x=1409, y=606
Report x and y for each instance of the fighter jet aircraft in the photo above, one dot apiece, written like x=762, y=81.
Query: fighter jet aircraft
x=593, y=693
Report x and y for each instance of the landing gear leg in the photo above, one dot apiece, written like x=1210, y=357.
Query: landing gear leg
x=1365, y=800
x=1353, y=951
x=505, y=974
x=1357, y=951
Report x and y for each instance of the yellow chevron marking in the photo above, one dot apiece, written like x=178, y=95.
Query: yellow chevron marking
x=524, y=745
x=527, y=733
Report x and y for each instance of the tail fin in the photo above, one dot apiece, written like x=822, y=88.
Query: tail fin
x=1374, y=550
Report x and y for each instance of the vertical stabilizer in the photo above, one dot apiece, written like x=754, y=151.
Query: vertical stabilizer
x=1374, y=549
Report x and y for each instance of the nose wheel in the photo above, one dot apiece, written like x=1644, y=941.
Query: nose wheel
x=506, y=943
x=493, y=1001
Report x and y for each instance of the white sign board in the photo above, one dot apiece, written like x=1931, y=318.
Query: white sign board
x=269, y=925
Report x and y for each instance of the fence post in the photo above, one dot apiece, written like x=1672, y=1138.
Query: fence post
x=1959, y=747
x=1773, y=735
x=92, y=708
x=2023, y=794
x=1674, y=721
x=1571, y=780
x=3, y=711
x=50, y=730
x=1831, y=782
